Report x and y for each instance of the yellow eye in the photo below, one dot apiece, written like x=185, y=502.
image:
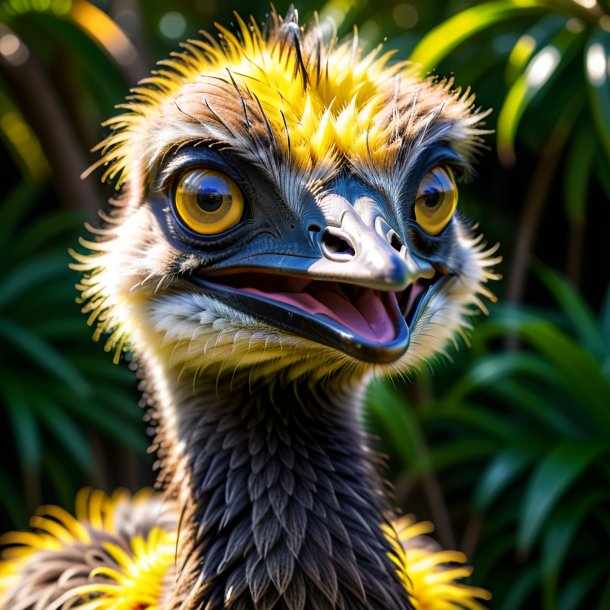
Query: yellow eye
x=436, y=200
x=208, y=202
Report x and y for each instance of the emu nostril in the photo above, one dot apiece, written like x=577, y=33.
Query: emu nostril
x=396, y=242
x=336, y=246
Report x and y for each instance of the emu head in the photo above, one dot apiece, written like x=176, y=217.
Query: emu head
x=287, y=205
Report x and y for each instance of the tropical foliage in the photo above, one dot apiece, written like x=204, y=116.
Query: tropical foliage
x=518, y=442
x=57, y=391
x=506, y=449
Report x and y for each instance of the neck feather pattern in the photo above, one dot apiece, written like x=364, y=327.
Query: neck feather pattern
x=282, y=506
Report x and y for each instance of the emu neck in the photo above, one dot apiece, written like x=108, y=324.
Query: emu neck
x=282, y=507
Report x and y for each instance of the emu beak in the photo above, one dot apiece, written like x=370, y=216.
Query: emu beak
x=361, y=294
x=357, y=254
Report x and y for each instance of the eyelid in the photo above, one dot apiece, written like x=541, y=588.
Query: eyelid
x=455, y=165
x=167, y=176
x=460, y=172
x=436, y=176
x=171, y=171
x=171, y=174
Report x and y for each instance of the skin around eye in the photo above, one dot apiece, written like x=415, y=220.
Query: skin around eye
x=436, y=200
x=208, y=202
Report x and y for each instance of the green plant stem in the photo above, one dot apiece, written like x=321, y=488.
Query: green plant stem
x=31, y=486
x=101, y=461
x=574, y=257
x=131, y=475
x=136, y=35
x=472, y=534
x=533, y=206
x=438, y=507
x=419, y=395
x=40, y=105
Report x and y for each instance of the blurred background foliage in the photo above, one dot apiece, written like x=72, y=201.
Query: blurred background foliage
x=507, y=449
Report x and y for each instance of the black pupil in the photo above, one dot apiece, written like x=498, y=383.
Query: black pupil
x=431, y=197
x=213, y=195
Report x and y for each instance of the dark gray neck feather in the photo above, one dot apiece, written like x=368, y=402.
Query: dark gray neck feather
x=284, y=508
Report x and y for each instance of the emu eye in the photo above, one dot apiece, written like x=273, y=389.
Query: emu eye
x=208, y=202
x=436, y=200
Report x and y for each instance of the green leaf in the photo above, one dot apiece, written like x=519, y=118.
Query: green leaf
x=24, y=425
x=68, y=327
x=44, y=356
x=97, y=364
x=101, y=419
x=578, y=586
x=503, y=470
x=125, y=404
x=13, y=502
x=575, y=368
x=58, y=471
x=576, y=310
x=29, y=277
x=22, y=142
x=494, y=367
x=542, y=416
x=522, y=587
x=597, y=60
x=602, y=173
x=15, y=206
x=456, y=453
x=603, y=603
x=110, y=83
x=604, y=318
x=26, y=433
x=481, y=420
x=402, y=429
x=476, y=63
x=559, y=535
x=549, y=481
x=543, y=68
x=580, y=372
x=67, y=434
x=506, y=318
x=448, y=35
x=539, y=34
x=492, y=557
x=46, y=230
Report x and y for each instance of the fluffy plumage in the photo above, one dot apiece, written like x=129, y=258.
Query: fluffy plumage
x=119, y=546
x=258, y=415
x=300, y=108
x=118, y=553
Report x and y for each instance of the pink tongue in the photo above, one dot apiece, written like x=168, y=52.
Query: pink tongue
x=368, y=318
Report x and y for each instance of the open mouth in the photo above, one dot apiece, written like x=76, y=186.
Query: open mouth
x=371, y=325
